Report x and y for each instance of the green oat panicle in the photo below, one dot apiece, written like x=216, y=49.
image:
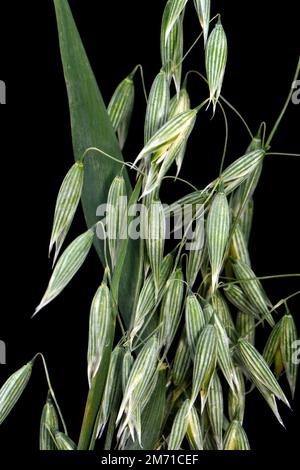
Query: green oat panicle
x=203, y=11
x=120, y=108
x=172, y=353
x=217, y=232
x=12, y=389
x=215, y=61
x=49, y=419
x=67, y=202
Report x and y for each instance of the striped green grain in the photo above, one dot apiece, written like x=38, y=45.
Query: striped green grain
x=287, y=347
x=215, y=61
x=215, y=405
x=180, y=426
x=194, y=431
x=157, y=106
x=49, y=419
x=182, y=362
x=253, y=289
x=120, y=108
x=12, y=389
x=66, y=204
x=236, y=399
x=245, y=326
x=171, y=309
x=217, y=231
x=99, y=329
x=259, y=369
x=67, y=266
x=236, y=438
x=116, y=218
x=204, y=363
x=156, y=240
x=203, y=11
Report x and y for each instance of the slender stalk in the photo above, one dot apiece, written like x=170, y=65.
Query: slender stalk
x=226, y=138
x=140, y=67
x=224, y=100
x=52, y=391
x=94, y=397
x=276, y=125
x=283, y=154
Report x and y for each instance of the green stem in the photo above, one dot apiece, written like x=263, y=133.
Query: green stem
x=52, y=392
x=283, y=154
x=94, y=397
x=283, y=301
x=276, y=276
x=224, y=100
x=111, y=157
x=87, y=434
x=226, y=139
x=140, y=67
x=276, y=125
x=176, y=178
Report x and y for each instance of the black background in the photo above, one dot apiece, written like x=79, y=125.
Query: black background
x=36, y=153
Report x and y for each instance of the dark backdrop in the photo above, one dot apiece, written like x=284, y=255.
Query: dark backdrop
x=36, y=153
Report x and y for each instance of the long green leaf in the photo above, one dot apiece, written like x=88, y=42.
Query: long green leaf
x=91, y=127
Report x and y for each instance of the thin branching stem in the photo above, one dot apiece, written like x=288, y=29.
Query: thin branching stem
x=285, y=106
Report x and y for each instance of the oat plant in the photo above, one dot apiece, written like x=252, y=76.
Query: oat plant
x=171, y=347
